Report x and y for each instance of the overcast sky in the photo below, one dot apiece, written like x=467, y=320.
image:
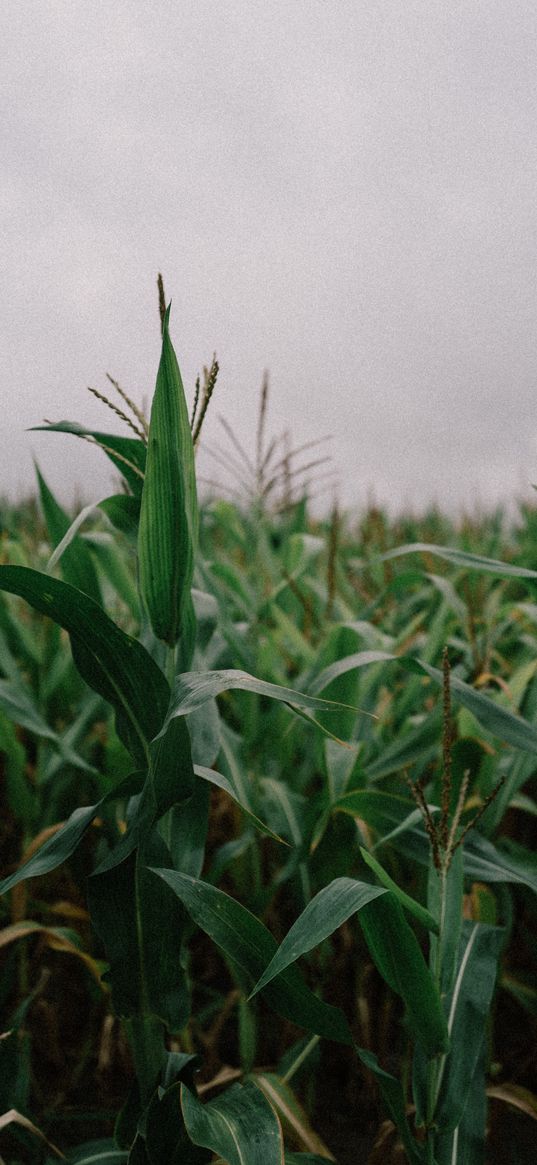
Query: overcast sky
x=344, y=193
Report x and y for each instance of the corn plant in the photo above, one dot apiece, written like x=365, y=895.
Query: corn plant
x=142, y=924
x=331, y=832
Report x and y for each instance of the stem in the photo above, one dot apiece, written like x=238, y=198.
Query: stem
x=303, y=1055
x=170, y=666
x=146, y=1037
x=436, y=1066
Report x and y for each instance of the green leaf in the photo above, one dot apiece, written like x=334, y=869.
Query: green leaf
x=18, y=703
x=414, y=908
x=140, y=923
x=222, y=782
x=77, y=564
x=397, y=955
x=493, y=717
x=239, y=1125
x=113, y=664
x=465, y=1145
x=193, y=689
x=168, y=529
x=330, y=908
x=448, y=899
x=164, y=1132
x=383, y=812
x=184, y=829
x=58, y=848
x=462, y=558
x=468, y=1010
x=103, y=1152
x=485, y=862
x=127, y=454
x=250, y=947
x=123, y=511
x=294, y=1119
x=394, y=1099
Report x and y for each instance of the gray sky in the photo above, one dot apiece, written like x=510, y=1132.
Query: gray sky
x=342, y=193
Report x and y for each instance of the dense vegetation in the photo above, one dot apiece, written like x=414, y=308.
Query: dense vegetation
x=241, y=738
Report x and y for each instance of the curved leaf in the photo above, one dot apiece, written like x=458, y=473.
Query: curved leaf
x=58, y=848
x=250, y=946
x=126, y=453
x=493, y=717
x=330, y=908
x=193, y=689
x=221, y=782
x=240, y=1125
x=419, y=912
x=462, y=558
x=113, y=664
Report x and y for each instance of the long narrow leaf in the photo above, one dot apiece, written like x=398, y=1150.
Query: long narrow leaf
x=113, y=664
x=193, y=690
x=497, y=720
x=239, y=1125
x=462, y=558
x=330, y=908
x=250, y=946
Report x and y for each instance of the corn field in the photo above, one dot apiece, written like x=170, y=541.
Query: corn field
x=268, y=816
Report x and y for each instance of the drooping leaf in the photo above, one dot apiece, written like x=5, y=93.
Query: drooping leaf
x=168, y=528
x=250, y=946
x=239, y=1125
x=497, y=720
x=111, y=662
x=127, y=454
x=193, y=689
x=462, y=558
x=59, y=847
x=222, y=782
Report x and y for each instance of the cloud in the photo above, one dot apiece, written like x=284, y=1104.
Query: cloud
x=344, y=195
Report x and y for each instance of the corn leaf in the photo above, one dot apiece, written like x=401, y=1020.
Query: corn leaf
x=497, y=720
x=240, y=1125
x=330, y=908
x=397, y=955
x=222, y=782
x=77, y=565
x=451, y=893
x=140, y=923
x=394, y=1099
x=468, y=1009
x=58, y=848
x=193, y=689
x=113, y=664
x=462, y=558
x=127, y=454
x=250, y=946
x=419, y=912
x=292, y=1115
